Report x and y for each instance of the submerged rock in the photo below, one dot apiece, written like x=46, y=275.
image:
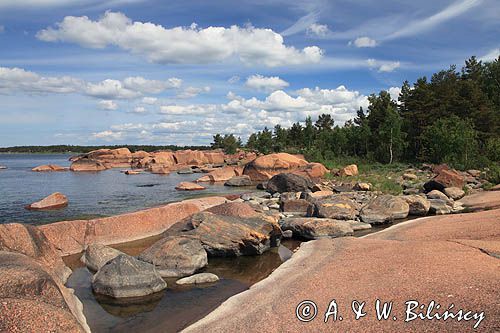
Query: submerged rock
x=125, y=276
x=98, y=255
x=188, y=186
x=54, y=201
x=176, y=256
x=234, y=236
x=198, y=279
x=48, y=168
x=384, y=209
x=313, y=228
x=239, y=181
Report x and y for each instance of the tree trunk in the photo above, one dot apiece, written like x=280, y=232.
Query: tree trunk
x=390, y=148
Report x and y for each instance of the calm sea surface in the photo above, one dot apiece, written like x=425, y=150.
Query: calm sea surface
x=90, y=195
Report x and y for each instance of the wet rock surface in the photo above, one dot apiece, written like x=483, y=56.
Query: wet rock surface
x=125, y=276
x=98, y=255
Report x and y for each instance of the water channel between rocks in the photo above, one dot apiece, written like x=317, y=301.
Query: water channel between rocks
x=176, y=307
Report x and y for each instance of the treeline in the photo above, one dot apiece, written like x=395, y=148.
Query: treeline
x=86, y=149
x=453, y=118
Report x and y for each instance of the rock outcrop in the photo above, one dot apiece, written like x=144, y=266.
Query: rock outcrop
x=54, y=201
x=125, y=276
x=234, y=209
x=87, y=166
x=219, y=175
x=264, y=167
x=239, y=181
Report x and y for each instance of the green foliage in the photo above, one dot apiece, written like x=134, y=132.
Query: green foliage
x=60, y=149
x=229, y=143
x=451, y=140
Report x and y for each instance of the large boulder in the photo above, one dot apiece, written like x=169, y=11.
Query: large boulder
x=289, y=182
x=314, y=228
x=125, y=276
x=32, y=242
x=419, y=206
x=109, y=158
x=164, y=158
x=87, y=166
x=198, y=279
x=454, y=193
x=160, y=169
x=313, y=170
x=219, y=175
x=350, y=170
x=445, y=178
x=234, y=236
x=338, y=207
x=98, y=255
x=190, y=157
x=176, y=256
x=239, y=181
x=48, y=168
x=296, y=206
x=384, y=209
x=264, y=167
x=54, y=201
x=188, y=186
x=240, y=209
x=439, y=207
x=214, y=157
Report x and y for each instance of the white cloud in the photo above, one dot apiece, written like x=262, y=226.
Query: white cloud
x=253, y=46
x=149, y=100
x=266, y=83
x=457, y=8
x=318, y=29
x=139, y=109
x=191, y=92
x=183, y=110
x=491, y=56
x=15, y=80
x=107, y=135
x=109, y=105
x=233, y=79
x=394, y=92
x=302, y=24
x=364, y=42
x=383, y=66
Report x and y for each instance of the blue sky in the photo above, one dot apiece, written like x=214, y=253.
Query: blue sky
x=157, y=72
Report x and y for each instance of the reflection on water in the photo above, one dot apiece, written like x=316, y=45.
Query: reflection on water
x=177, y=306
x=90, y=195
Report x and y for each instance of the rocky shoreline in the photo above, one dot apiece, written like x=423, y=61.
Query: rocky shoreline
x=296, y=203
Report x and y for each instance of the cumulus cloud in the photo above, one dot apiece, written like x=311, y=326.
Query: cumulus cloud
x=394, y=92
x=364, y=42
x=139, y=109
x=491, y=56
x=14, y=80
x=266, y=83
x=320, y=30
x=253, y=46
x=108, y=105
x=149, y=100
x=107, y=135
x=383, y=66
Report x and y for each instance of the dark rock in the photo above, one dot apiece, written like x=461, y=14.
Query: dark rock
x=289, y=182
x=313, y=228
x=239, y=181
x=384, y=209
x=126, y=276
x=176, y=256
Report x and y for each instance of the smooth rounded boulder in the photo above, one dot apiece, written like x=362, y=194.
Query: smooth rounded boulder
x=240, y=209
x=454, y=193
x=419, y=206
x=87, y=166
x=264, y=167
x=54, y=201
x=198, y=279
x=98, y=255
x=289, y=182
x=384, y=209
x=239, y=181
x=176, y=256
x=125, y=276
x=338, y=207
x=314, y=228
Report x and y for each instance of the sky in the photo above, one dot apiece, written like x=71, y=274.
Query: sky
x=92, y=72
